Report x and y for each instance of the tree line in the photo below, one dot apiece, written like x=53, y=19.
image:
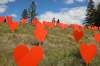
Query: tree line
x=93, y=14
x=29, y=13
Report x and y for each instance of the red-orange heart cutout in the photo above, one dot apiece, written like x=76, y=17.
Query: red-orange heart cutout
x=97, y=37
x=9, y=19
x=13, y=26
x=25, y=57
x=2, y=19
x=23, y=21
x=77, y=34
x=40, y=34
x=88, y=52
x=62, y=26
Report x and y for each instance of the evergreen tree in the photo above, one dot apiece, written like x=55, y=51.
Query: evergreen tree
x=91, y=14
x=32, y=10
x=97, y=22
x=25, y=13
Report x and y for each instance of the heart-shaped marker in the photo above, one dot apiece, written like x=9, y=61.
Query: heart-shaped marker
x=88, y=52
x=94, y=28
x=23, y=21
x=77, y=34
x=50, y=25
x=40, y=26
x=2, y=19
x=62, y=26
x=28, y=57
x=40, y=34
x=76, y=27
x=9, y=19
x=20, y=52
x=97, y=37
x=35, y=21
x=13, y=26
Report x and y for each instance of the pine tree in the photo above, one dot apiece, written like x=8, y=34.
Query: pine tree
x=32, y=10
x=25, y=13
x=91, y=14
x=97, y=22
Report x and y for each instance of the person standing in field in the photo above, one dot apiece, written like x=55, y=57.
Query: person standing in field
x=54, y=21
x=58, y=21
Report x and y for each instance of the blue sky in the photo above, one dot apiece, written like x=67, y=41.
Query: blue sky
x=52, y=5
x=56, y=7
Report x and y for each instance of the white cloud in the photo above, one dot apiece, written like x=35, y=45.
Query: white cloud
x=12, y=0
x=96, y=2
x=72, y=1
x=3, y=8
x=6, y=1
x=14, y=15
x=80, y=0
x=69, y=1
x=73, y=15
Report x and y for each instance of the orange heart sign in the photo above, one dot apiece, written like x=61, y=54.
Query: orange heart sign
x=40, y=34
x=62, y=26
x=35, y=21
x=50, y=25
x=77, y=34
x=2, y=19
x=76, y=27
x=9, y=19
x=23, y=21
x=40, y=26
x=13, y=26
x=88, y=52
x=28, y=57
x=97, y=37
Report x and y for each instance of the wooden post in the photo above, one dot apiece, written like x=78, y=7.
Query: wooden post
x=87, y=64
x=39, y=43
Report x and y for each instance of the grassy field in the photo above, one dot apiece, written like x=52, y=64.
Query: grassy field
x=60, y=47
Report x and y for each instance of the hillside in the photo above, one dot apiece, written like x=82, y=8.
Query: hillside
x=60, y=47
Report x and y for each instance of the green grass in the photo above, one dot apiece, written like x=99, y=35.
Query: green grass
x=60, y=49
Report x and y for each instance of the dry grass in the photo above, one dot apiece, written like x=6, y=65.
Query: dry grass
x=60, y=48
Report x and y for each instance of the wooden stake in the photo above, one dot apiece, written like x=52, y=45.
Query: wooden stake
x=39, y=43
x=87, y=64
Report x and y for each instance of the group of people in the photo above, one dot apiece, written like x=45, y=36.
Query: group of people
x=54, y=21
